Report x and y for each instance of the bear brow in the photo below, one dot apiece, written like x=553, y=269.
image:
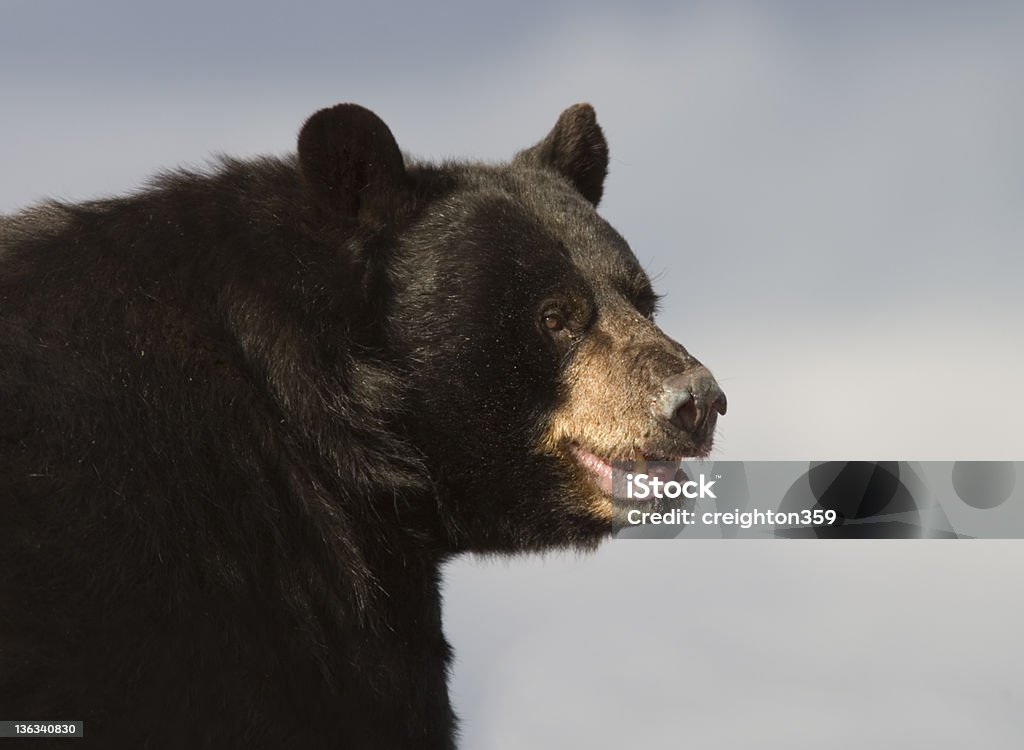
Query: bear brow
x=635, y=285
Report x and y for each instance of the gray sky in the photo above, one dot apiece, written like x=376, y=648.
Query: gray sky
x=831, y=197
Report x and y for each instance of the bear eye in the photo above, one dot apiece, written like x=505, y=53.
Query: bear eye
x=553, y=321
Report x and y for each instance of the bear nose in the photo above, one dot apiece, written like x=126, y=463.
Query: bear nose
x=688, y=399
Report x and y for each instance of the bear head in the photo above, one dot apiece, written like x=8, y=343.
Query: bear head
x=521, y=323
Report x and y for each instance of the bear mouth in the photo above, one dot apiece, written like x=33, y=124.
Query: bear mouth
x=602, y=470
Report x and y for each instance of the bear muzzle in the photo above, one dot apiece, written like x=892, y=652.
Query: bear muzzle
x=691, y=401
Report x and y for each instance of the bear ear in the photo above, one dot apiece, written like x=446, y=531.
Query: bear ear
x=351, y=163
x=576, y=148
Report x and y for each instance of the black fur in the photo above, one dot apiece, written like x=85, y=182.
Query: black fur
x=577, y=149
x=245, y=415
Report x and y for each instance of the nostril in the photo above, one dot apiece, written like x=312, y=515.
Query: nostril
x=690, y=401
x=686, y=415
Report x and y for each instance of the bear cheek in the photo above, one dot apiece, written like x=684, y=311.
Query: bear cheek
x=602, y=409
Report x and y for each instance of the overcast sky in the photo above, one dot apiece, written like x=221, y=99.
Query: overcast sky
x=830, y=195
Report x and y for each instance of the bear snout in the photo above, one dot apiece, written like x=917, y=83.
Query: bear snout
x=691, y=400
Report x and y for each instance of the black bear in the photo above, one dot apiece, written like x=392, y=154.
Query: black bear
x=246, y=414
